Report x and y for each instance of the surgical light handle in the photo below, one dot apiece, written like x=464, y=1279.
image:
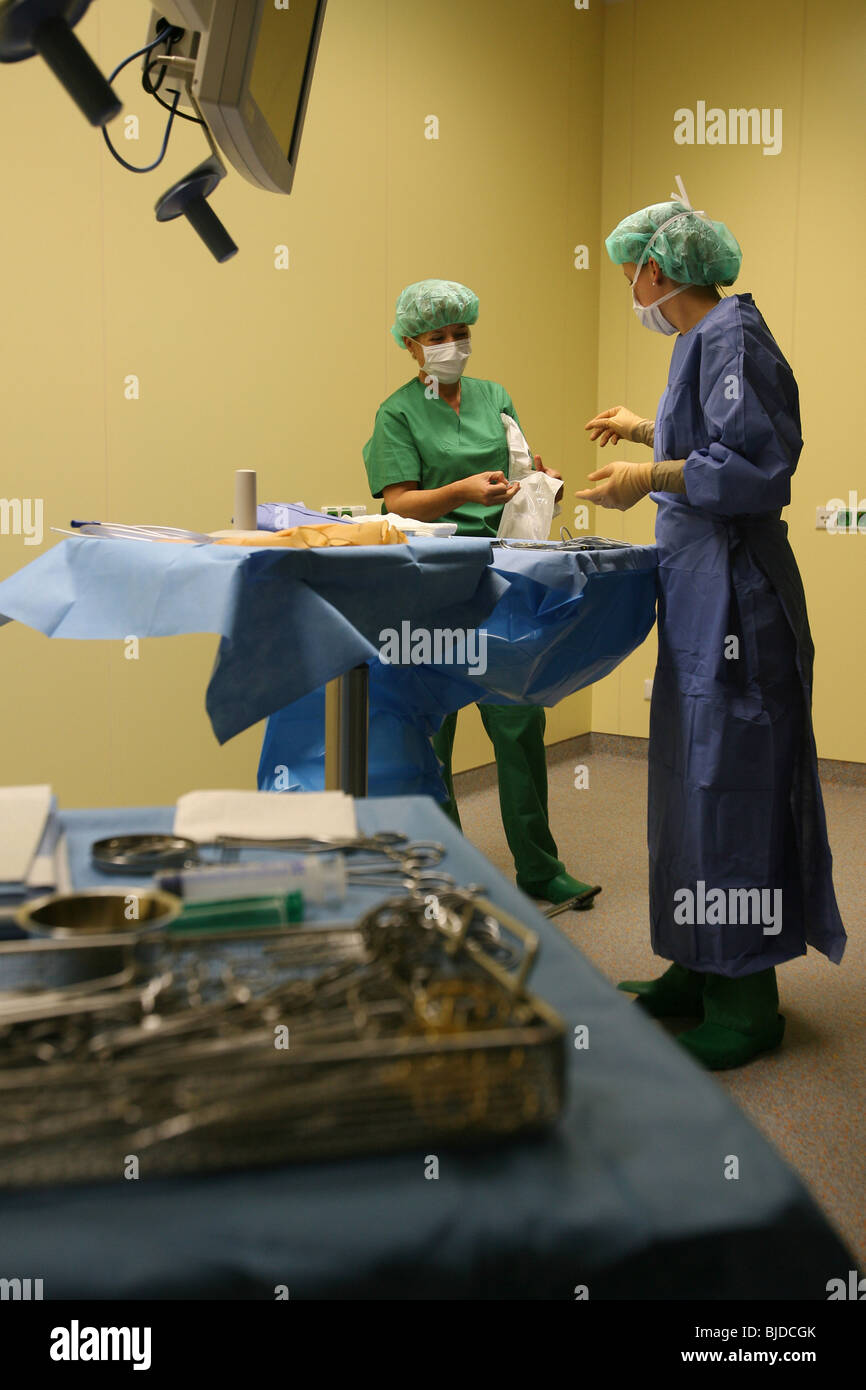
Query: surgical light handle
x=42, y=26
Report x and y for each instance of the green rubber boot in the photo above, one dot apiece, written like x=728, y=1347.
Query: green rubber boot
x=560, y=888
x=741, y=1019
x=678, y=993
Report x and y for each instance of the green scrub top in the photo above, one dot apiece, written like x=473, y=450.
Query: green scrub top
x=423, y=440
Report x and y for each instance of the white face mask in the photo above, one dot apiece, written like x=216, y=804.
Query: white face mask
x=446, y=361
x=651, y=315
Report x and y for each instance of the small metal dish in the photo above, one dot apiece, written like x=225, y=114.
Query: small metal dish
x=143, y=854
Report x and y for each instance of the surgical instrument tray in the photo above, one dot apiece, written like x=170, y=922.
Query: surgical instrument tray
x=410, y=1027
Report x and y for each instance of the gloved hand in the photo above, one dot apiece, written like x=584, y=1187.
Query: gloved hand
x=551, y=473
x=620, y=485
x=619, y=423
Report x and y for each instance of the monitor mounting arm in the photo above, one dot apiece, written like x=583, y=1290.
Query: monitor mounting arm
x=188, y=197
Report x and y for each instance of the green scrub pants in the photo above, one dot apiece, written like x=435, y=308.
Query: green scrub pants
x=517, y=735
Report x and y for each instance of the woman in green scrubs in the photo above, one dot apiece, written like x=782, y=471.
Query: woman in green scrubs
x=439, y=453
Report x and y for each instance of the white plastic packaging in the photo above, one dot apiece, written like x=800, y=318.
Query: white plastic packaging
x=528, y=516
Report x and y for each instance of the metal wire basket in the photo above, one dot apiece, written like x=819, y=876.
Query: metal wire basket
x=409, y=1028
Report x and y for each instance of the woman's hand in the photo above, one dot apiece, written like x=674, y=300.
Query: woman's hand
x=620, y=485
x=616, y=424
x=490, y=489
x=551, y=473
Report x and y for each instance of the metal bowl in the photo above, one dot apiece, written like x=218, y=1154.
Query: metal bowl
x=36, y=966
x=107, y=913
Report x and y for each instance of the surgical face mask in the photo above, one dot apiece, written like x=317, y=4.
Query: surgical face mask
x=651, y=315
x=447, y=361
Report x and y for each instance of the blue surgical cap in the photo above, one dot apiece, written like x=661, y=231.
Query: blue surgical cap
x=430, y=304
x=692, y=249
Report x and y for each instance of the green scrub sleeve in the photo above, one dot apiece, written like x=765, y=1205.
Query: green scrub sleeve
x=508, y=407
x=391, y=455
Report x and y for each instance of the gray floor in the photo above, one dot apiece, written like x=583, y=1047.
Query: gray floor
x=809, y=1097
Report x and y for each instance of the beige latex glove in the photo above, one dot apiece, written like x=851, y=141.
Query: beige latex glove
x=619, y=485
x=373, y=532
x=668, y=475
x=619, y=423
x=551, y=473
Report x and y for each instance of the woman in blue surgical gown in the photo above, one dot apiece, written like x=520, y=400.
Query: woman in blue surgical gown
x=740, y=867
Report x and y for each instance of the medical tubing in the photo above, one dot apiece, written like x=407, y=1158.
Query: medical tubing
x=147, y=168
x=164, y=36
x=73, y=66
x=161, y=37
x=320, y=878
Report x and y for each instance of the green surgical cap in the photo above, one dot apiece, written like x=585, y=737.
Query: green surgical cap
x=692, y=250
x=430, y=304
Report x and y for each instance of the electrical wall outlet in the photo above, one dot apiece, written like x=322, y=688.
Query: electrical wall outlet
x=822, y=516
x=648, y=689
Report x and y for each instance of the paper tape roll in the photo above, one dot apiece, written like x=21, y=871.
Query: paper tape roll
x=245, y=512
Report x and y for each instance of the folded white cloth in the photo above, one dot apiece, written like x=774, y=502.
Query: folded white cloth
x=49, y=872
x=410, y=527
x=24, y=813
x=205, y=815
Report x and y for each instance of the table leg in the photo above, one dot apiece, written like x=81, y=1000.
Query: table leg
x=346, y=726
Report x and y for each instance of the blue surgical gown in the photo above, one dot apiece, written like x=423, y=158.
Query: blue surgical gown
x=734, y=796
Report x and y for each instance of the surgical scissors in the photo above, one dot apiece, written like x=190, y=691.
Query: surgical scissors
x=145, y=853
x=390, y=843
x=393, y=860
x=385, y=859
x=568, y=542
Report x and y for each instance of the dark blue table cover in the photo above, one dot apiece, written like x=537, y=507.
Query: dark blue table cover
x=291, y=620
x=626, y=1196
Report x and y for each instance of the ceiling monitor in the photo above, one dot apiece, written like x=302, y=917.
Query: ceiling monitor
x=254, y=62
x=244, y=67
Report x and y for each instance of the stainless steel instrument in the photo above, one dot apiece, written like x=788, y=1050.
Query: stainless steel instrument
x=409, y=1026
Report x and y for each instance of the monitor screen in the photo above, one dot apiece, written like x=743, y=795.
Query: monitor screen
x=277, y=75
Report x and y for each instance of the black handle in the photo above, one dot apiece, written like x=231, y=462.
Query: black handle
x=212, y=232
x=188, y=198
x=72, y=65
